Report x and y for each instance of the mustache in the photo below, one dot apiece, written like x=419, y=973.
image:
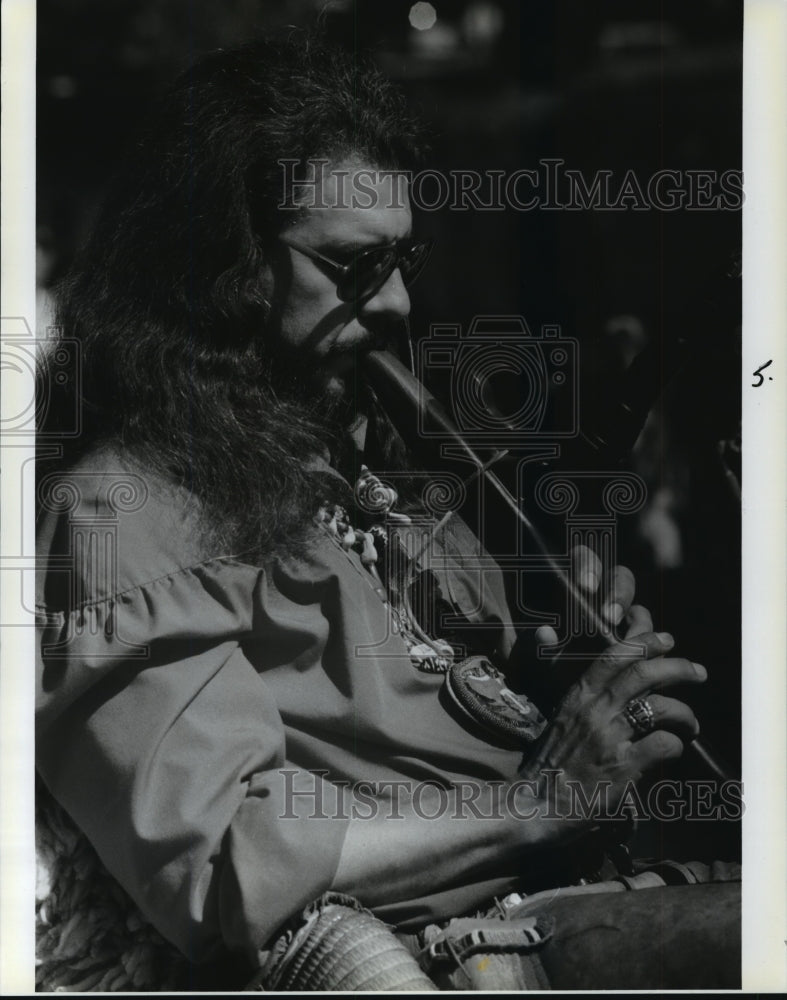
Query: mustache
x=313, y=383
x=373, y=340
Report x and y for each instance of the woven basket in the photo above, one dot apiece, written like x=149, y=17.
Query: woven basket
x=341, y=947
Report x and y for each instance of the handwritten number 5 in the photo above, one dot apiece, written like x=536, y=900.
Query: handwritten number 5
x=758, y=374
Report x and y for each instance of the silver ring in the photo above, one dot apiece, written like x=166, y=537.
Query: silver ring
x=639, y=713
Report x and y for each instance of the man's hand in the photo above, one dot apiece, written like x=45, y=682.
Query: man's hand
x=590, y=742
x=591, y=739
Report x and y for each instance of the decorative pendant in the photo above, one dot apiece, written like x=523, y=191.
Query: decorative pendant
x=479, y=689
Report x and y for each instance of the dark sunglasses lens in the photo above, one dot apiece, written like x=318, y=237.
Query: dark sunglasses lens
x=411, y=263
x=370, y=270
x=368, y=273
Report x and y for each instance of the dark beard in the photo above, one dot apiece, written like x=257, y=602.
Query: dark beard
x=334, y=400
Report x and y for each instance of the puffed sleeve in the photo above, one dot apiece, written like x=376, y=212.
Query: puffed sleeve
x=165, y=745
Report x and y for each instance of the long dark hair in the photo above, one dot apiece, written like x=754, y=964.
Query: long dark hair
x=165, y=299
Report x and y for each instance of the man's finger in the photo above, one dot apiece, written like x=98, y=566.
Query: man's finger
x=668, y=713
x=619, y=595
x=546, y=636
x=656, y=748
x=638, y=620
x=623, y=654
x=585, y=568
x=644, y=676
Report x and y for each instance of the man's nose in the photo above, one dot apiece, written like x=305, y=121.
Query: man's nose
x=392, y=299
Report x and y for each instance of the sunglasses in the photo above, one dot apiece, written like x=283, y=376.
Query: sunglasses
x=369, y=270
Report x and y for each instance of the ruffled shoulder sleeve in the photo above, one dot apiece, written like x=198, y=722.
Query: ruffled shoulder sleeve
x=106, y=526
x=121, y=568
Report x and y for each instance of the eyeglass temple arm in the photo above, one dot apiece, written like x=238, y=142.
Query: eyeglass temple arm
x=340, y=269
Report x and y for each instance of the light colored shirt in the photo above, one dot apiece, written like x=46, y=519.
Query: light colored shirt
x=205, y=719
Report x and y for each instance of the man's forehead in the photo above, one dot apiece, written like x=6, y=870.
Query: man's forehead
x=354, y=200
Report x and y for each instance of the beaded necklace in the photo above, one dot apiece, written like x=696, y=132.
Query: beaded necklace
x=478, y=689
x=426, y=654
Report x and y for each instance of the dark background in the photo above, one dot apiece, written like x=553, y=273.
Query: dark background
x=602, y=85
